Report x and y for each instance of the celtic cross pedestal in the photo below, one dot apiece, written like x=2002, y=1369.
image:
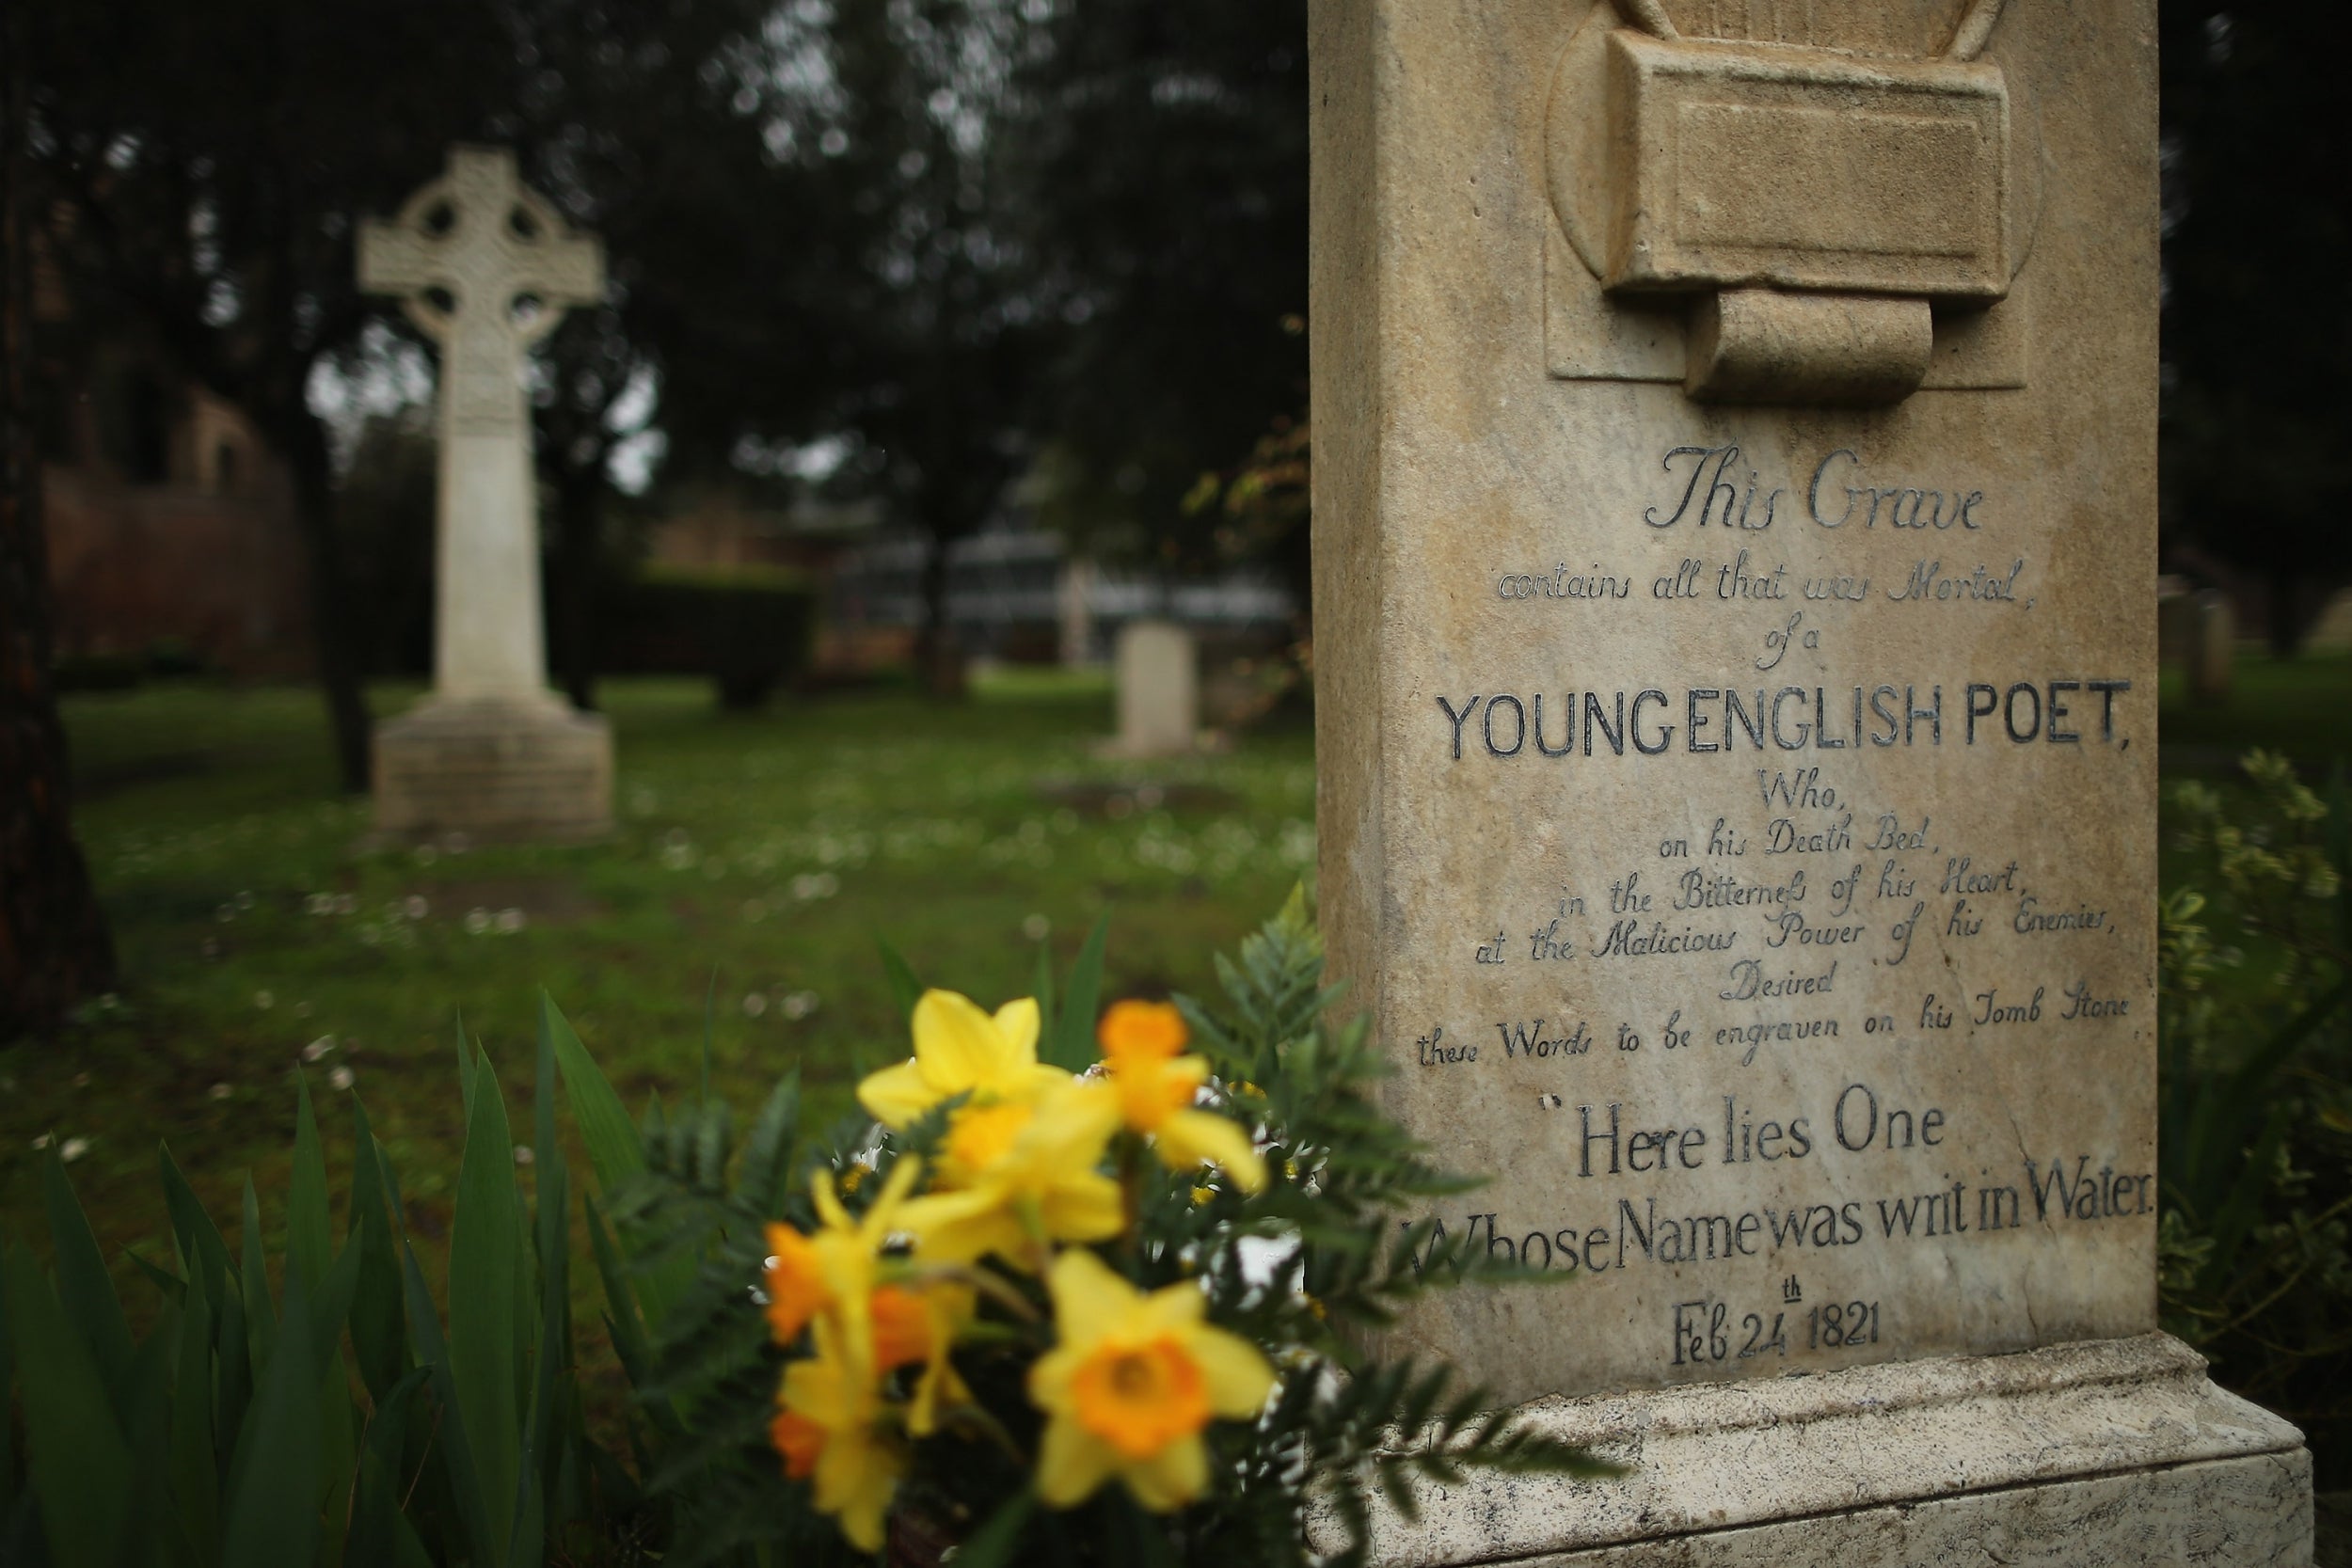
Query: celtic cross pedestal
x=486, y=268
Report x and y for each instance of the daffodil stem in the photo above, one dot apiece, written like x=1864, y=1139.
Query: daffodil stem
x=1131, y=1195
x=993, y=1285
x=979, y=1420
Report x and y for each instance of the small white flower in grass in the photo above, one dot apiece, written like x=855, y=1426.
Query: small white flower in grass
x=302, y=1009
x=73, y=1150
x=1036, y=927
x=221, y=1091
x=264, y=1000
x=477, y=921
x=427, y=854
x=318, y=1048
x=41, y=1142
x=416, y=908
x=523, y=1155
x=755, y=1004
x=81, y=1080
x=510, y=920
x=342, y=1078
x=799, y=1004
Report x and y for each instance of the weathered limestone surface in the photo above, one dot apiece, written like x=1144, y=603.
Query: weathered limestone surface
x=1735, y=548
x=494, y=769
x=1920, y=1460
x=486, y=268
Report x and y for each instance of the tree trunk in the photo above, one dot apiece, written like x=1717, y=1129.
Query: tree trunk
x=2286, y=613
x=54, y=946
x=939, y=663
x=304, y=444
x=578, y=519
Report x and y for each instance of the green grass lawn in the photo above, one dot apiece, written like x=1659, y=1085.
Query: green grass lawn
x=2300, y=707
x=756, y=861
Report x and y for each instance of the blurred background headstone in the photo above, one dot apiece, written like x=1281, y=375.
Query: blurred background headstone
x=1159, y=690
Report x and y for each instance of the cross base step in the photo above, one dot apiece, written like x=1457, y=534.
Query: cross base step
x=493, y=769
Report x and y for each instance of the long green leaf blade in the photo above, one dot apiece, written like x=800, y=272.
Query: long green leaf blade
x=310, y=1245
x=1073, y=1043
x=79, y=1461
x=483, y=1276
x=84, y=1288
x=378, y=1333
x=200, y=1240
x=905, y=990
x=431, y=1354
x=615, y=1150
x=195, y=1464
x=272, y=1517
x=259, y=1317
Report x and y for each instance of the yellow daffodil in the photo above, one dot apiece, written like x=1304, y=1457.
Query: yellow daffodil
x=832, y=1271
x=1015, y=1174
x=831, y=1431
x=1132, y=1386
x=1156, y=1088
x=961, y=1050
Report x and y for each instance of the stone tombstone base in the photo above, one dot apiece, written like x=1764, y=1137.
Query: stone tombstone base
x=494, y=769
x=2099, y=1454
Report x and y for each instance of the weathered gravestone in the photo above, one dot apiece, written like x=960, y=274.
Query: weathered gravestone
x=486, y=268
x=1157, y=669
x=1735, y=551
x=2212, y=646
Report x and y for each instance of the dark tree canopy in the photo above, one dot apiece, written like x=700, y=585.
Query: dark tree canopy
x=2257, y=321
x=1171, y=155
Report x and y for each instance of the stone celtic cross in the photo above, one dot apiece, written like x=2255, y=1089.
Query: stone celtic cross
x=486, y=268
x=508, y=265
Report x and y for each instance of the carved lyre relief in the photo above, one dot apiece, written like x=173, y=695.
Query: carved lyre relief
x=1789, y=201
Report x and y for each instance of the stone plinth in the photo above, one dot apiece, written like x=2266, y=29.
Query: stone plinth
x=494, y=770
x=2105, y=1453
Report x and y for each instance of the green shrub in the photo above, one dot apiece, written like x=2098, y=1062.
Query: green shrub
x=2255, y=1030
x=749, y=628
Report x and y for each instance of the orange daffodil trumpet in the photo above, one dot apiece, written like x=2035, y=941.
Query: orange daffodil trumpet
x=1133, y=1384
x=834, y=1271
x=1141, y=1041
